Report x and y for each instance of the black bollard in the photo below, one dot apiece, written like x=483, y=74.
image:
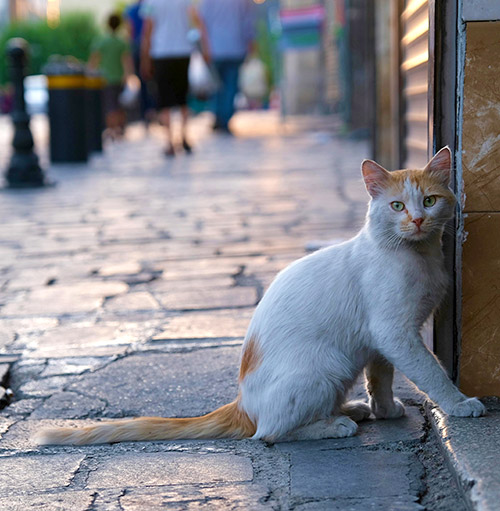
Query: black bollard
x=24, y=170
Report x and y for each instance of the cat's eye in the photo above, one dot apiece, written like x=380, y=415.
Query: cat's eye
x=397, y=206
x=429, y=201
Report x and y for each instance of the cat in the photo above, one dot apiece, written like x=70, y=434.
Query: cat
x=353, y=306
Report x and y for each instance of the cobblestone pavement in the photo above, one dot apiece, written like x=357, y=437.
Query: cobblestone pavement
x=126, y=290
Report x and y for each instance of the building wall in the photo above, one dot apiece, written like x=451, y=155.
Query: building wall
x=23, y=9
x=331, y=58
x=480, y=350
x=302, y=75
x=4, y=12
x=302, y=84
x=100, y=8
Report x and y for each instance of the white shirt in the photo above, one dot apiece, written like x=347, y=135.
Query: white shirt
x=171, y=25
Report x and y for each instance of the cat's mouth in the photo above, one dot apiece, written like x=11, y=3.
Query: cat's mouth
x=416, y=234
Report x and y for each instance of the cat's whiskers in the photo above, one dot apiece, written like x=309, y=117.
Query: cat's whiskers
x=391, y=240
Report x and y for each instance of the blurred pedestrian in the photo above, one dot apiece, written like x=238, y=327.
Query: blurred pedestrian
x=111, y=56
x=135, y=29
x=228, y=28
x=165, y=54
x=6, y=98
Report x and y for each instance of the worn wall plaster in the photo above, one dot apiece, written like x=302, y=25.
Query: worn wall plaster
x=480, y=353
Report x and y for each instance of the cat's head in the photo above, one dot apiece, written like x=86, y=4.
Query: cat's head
x=410, y=205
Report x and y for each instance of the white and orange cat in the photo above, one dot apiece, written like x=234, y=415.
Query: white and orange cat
x=354, y=306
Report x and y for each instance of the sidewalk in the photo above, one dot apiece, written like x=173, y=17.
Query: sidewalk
x=126, y=291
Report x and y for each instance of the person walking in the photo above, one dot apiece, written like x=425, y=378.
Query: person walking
x=165, y=54
x=111, y=56
x=135, y=28
x=228, y=29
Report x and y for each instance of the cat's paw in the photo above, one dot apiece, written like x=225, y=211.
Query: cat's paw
x=392, y=410
x=356, y=410
x=343, y=427
x=470, y=407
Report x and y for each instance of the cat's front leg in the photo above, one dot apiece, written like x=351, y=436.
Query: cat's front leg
x=406, y=350
x=379, y=374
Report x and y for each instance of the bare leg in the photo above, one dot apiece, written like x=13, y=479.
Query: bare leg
x=165, y=120
x=113, y=124
x=184, y=120
x=379, y=375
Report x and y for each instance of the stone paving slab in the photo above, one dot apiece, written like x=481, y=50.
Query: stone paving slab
x=21, y=326
x=45, y=387
x=359, y=473
x=189, y=498
x=202, y=325
x=199, y=269
x=194, y=284
x=21, y=408
x=6, y=338
x=64, y=299
x=140, y=301
x=203, y=298
x=73, y=365
x=72, y=404
x=369, y=504
x=191, y=383
x=5, y=424
x=82, y=339
x=161, y=469
x=20, y=475
x=61, y=501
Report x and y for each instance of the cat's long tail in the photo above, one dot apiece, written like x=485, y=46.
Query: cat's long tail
x=229, y=421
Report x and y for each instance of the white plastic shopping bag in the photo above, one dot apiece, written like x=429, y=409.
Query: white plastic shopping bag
x=253, y=79
x=129, y=96
x=203, y=79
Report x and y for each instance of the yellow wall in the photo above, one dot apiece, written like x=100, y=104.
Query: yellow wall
x=480, y=353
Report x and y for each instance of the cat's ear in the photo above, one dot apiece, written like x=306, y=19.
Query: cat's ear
x=440, y=165
x=375, y=176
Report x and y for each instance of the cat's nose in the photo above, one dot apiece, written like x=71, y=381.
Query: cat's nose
x=418, y=221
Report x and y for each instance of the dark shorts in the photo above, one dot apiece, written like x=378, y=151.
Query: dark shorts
x=111, y=98
x=171, y=77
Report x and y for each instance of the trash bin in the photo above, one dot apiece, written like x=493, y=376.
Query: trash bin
x=67, y=110
x=94, y=85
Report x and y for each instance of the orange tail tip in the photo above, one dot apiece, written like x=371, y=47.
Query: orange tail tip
x=229, y=421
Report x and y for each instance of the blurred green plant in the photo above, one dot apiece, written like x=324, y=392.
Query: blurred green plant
x=72, y=36
x=265, y=50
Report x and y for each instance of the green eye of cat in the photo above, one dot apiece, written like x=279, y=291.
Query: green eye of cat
x=429, y=201
x=397, y=206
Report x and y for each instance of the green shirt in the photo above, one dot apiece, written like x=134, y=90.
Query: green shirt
x=111, y=49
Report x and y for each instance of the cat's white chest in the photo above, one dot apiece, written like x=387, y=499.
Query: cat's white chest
x=426, y=276
x=408, y=288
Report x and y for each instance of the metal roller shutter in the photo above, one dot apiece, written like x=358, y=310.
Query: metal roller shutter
x=415, y=73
